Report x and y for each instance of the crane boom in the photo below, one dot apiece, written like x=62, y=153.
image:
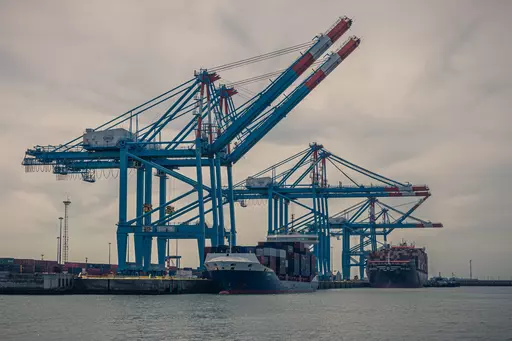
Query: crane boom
x=283, y=108
x=268, y=95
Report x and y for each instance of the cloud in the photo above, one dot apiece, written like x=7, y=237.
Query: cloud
x=424, y=99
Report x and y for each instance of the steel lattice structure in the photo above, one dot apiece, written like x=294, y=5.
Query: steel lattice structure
x=204, y=128
x=302, y=180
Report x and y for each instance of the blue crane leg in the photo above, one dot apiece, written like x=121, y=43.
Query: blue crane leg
x=281, y=213
x=321, y=238
x=270, y=204
x=326, y=240
x=361, y=256
x=324, y=245
x=319, y=232
x=200, y=200
x=286, y=216
x=161, y=244
x=138, y=241
x=162, y=241
x=276, y=215
x=326, y=208
x=232, y=231
x=123, y=207
x=345, y=253
x=220, y=203
x=215, y=224
x=148, y=191
x=374, y=237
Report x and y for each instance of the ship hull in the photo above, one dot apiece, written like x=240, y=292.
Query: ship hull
x=388, y=277
x=257, y=282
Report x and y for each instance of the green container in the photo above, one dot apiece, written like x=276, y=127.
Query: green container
x=6, y=260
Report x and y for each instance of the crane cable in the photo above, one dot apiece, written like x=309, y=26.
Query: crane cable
x=261, y=57
x=355, y=183
x=261, y=77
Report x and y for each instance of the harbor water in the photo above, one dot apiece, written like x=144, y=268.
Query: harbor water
x=466, y=313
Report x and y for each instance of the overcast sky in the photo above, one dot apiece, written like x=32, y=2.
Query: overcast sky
x=425, y=99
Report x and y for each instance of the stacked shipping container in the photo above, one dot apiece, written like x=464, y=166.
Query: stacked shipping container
x=402, y=253
x=18, y=265
x=289, y=260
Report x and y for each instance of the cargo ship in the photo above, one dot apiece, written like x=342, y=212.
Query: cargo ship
x=282, y=264
x=401, y=266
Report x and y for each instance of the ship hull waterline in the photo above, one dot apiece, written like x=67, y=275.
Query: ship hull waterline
x=257, y=282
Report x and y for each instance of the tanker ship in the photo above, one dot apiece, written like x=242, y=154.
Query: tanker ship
x=401, y=266
x=282, y=264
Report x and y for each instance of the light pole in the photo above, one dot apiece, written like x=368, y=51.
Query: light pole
x=59, y=258
x=58, y=248
x=109, y=254
x=330, y=260
x=470, y=269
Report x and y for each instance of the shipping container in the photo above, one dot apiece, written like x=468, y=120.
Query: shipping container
x=75, y=265
x=12, y=268
x=27, y=269
x=7, y=267
x=302, y=264
x=273, y=263
x=24, y=261
x=75, y=271
x=290, y=268
x=94, y=271
x=282, y=266
x=265, y=261
x=6, y=260
x=296, y=266
x=306, y=272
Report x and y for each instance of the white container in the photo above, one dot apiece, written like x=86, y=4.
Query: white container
x=105, y=139
x=337, y=220
x=263, y=182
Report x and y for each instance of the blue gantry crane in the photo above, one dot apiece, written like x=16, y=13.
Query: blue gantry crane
x=301, y=181
x=207, y=121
